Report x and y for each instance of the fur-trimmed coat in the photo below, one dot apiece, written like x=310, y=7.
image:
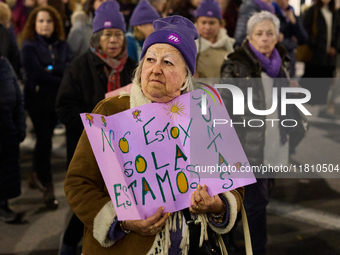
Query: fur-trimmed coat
x=88, y=197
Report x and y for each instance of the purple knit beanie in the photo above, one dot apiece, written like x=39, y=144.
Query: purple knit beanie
x=209, y=8
x=178, y=32
x=144, y=13
x=108, y=16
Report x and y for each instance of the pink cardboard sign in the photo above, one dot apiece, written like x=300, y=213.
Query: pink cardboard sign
x=156, y=155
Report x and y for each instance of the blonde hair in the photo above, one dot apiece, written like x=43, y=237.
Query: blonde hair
x=5, y=14
x=138, y=34
x=187, y=87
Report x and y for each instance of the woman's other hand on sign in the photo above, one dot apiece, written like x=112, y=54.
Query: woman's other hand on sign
x=202, y=202
x=150, y=226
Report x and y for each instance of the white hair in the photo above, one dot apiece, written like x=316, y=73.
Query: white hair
x=187, y=86
x=258, y=18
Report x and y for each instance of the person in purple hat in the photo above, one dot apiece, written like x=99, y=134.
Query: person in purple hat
x=103, y=68
x=168, y=59
x=141, y=20
x=214, y=43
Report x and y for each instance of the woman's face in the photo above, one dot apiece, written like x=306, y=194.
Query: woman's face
x=97, y=3
x=111, y=42
x=208, y=28
x=163, y=73
x=264, y=37
x=44, y=24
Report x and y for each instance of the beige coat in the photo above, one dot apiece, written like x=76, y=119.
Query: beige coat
x=210, y=56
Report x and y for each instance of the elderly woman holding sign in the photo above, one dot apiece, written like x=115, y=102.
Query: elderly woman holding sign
x=168, y=60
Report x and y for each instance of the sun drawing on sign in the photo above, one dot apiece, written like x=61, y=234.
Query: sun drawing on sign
x=175, y=108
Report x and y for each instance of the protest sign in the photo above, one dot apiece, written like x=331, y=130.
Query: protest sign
x=156, y=154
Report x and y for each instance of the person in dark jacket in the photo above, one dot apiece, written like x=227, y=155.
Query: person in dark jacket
x=8, y=45
x=259, y=60
x=12, y=132
x=325, y=44
x=45, y=56
x=292, y=30
x=103, y=68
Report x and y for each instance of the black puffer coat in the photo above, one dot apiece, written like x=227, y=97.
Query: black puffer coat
x=12, y=131
x=244, y=64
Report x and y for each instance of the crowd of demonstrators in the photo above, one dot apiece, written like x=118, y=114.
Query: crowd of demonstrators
x=103, y=68
x=12, y=132
x=261, y=58
x=141, y=20
x=45, y=56
x=213, y=43
x=84, y=185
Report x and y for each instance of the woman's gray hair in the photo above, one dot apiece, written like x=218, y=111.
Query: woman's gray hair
x=95, y=40
x=258, y=18
x=187, y=86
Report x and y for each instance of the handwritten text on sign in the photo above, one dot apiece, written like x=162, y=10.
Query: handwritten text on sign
x=147, y=155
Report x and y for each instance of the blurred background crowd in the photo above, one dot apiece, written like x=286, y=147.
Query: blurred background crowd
x=57, y=62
